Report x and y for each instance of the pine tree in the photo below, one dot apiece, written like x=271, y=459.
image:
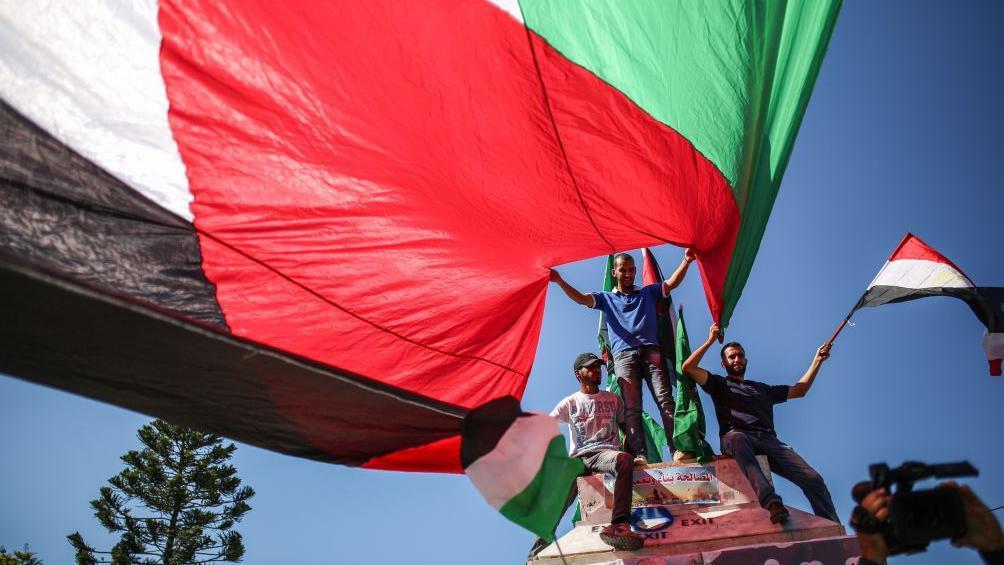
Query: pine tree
x=22, y=557
x=176, y=502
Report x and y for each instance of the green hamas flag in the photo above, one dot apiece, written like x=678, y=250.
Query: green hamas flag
x=689, y=425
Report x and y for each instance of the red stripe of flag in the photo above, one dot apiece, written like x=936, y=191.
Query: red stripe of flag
x=912, y=247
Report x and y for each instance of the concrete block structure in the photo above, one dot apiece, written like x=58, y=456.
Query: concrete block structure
x=691, y=513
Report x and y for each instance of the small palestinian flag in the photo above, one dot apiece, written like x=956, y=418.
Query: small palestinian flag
x=519, y=463
x=915, y=270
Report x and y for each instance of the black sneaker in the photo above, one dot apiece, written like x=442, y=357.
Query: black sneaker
x=778, y=513
x=620, y=536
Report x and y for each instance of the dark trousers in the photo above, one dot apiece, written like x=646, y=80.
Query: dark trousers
x=785, y=462
x=632, y=366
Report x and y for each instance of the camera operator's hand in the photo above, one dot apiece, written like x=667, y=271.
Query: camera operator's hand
x=873, y=546
x=983, y=532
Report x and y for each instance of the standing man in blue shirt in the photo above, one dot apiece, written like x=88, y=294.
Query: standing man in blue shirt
x=633, y=326
x=745, y=410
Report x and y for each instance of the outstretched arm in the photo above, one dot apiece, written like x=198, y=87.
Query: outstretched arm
x=692, y=365
x=676, y=278
x=801, y=388
x=586, y=300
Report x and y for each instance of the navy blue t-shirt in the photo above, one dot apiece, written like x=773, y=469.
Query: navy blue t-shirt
x=747, y=406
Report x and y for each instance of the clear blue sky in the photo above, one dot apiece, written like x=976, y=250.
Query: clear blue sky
x=903, y=134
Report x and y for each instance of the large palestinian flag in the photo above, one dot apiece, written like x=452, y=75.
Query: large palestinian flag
x=325, y=228
x=916, y=270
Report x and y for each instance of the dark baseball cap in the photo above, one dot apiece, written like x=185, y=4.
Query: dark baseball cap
x=585, y=360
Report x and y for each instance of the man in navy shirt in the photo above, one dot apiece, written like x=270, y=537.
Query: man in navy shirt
x=745, y=411
x=633, y=327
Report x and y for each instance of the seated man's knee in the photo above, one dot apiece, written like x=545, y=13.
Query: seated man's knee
x=733, y=439
x=733, y=436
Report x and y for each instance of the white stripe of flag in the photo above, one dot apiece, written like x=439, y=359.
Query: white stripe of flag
x=508, y=470
x=89, y=74
x=920, y=274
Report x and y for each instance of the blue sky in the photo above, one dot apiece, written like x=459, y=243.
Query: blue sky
x=903, y=134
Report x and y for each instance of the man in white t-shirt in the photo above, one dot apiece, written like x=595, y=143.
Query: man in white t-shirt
x=594, y=417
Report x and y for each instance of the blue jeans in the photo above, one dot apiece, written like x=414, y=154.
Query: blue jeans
x=745, y=446
x=632, y=366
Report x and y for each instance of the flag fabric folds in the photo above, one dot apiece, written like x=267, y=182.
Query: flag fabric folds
x=378, y=190
x=915, y=270
x=676, y=61
x=520, y=464
x=179, y=358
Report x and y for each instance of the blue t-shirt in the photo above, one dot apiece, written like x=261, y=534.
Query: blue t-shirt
x=747, y=406
x=631, y=318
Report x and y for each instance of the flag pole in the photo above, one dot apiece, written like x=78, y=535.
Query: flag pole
x=840, y=328
x=836, y=333
x=860, y=300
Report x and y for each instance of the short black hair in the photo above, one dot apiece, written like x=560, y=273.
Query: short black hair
x=623, y=257
x=731, y=344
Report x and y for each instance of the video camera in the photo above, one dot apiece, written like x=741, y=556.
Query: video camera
x=916, y=518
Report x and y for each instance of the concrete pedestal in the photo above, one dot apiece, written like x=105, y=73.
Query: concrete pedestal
x=698, y=514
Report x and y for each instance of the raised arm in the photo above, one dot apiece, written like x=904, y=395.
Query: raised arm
x=586, y=300
x=801, y=388
x=692, y=365
x=676, y=278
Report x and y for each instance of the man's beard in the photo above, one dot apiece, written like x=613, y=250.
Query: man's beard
x=733, y=373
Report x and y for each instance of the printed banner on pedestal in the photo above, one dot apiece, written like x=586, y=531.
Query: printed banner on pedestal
x=670, y=485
